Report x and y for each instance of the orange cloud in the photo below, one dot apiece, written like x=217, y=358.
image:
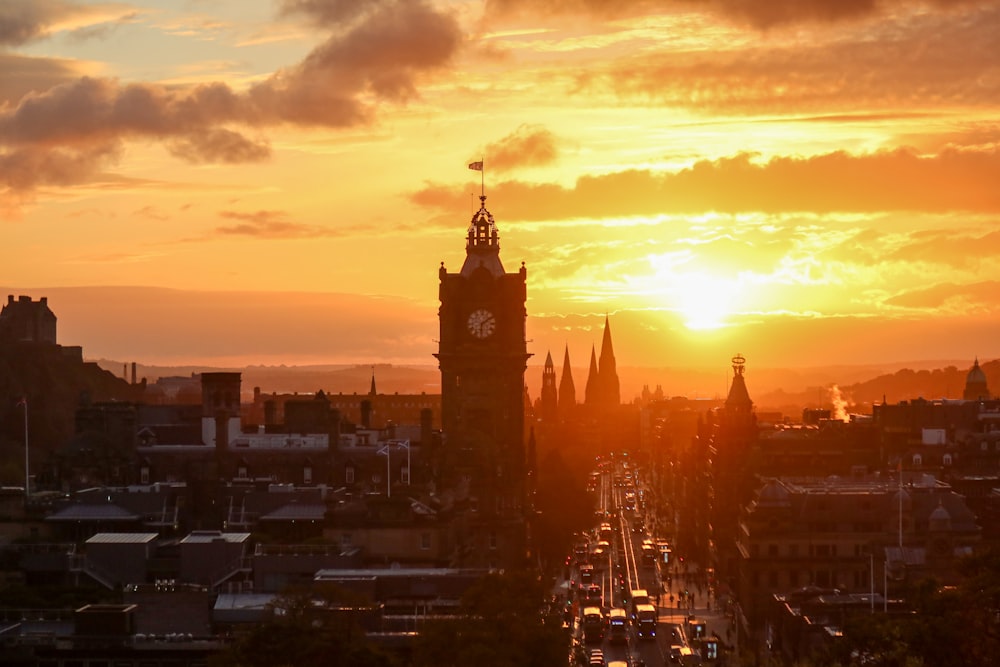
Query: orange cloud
x=897, y=180
x=527, y=146
x=759, y=14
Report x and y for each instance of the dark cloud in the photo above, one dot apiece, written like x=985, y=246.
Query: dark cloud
x=379, y=57
x=527, y=146
x=218, y=145
x=898, y=180
x=24, y=20
x=761, y=14
x=20, y=75
x=24, y=170
x=926, y=63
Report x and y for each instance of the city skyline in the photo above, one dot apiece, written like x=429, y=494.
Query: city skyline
x=227, y=182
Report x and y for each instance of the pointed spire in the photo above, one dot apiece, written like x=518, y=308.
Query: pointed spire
x=567, y=390
x=549, y=397
x=371, y=391
x=610, y=388
x=592, y=392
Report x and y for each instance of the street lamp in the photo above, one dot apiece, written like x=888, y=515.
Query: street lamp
x=24, y=404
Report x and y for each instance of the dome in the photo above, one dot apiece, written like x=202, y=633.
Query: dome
x=975, y=384
x=976, y=375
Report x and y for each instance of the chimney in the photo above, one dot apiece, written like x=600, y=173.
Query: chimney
x=133, y=372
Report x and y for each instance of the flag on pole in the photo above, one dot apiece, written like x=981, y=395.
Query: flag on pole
x=384, y=451
x=477, y=166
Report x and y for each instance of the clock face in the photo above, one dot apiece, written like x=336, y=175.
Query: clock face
x=482, y=323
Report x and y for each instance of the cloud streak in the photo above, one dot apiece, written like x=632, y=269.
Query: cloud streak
x=896, y=180
x=760, y=15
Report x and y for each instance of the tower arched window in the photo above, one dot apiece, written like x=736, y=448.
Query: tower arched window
x=918, y=460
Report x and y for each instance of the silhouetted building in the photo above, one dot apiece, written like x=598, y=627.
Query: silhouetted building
x=27, y=321
x=483, y=355
x=567, y=390
x=549, y=401
x=975, y=384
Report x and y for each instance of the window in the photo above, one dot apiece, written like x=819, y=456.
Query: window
x=917, y=460
x=241, y=472
x=404, y=475
x=349, y=475
x=946, y=460
x=307, y=475
x=493, y=539
x=345, y=540
x=425, y=541
x=144, y=475
x=772, y=579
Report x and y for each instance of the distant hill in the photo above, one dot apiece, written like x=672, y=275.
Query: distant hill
x=335, y=379
x=783, y=390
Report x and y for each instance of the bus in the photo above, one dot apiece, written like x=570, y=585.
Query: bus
x=645, y=621
x=637, y=597
x=618, y=626
x=593, y=624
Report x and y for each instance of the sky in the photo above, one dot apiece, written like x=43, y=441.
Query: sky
x=804, y=182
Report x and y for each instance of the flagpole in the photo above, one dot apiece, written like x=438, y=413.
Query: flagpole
x=388, y=473
x=482, y=177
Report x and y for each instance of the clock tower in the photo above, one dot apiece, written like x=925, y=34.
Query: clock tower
x=482, y=354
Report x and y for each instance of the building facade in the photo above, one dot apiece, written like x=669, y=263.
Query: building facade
x=483, y=356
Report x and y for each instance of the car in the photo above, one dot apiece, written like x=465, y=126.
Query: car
x=597, y=658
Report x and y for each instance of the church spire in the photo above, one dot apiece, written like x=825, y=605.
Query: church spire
x=610, y=388
x=371, y=391
x=567, y=390
x=549, y=397
x=592, y=392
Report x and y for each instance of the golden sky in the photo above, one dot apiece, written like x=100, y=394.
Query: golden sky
x=245, y=181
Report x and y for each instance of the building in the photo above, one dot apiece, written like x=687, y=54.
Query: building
x=482, y=355
x=849, y=535
x=27, y=321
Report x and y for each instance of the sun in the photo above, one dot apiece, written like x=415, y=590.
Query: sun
x=705, y=302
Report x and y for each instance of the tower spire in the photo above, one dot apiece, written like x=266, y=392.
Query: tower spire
x=567, y=390
x=610, y=388
x=592, y=392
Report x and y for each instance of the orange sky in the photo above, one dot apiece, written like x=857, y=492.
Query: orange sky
x=807, y=182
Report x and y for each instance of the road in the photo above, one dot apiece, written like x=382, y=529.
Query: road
x=623, y=568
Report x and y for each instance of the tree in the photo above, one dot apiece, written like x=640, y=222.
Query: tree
x=504, y=620
x=302, y=630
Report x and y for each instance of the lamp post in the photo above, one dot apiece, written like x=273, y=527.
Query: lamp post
x=24, y=404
